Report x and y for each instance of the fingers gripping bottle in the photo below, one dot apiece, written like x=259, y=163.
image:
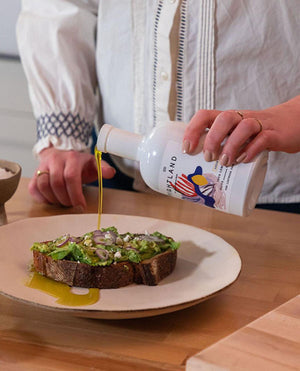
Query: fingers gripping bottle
x=167, y=170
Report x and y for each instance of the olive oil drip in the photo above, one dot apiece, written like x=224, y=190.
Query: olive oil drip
x=61, y=291
x=98, y=156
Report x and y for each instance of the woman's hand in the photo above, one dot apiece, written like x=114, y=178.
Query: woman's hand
x=248, y=132
x=62, y=174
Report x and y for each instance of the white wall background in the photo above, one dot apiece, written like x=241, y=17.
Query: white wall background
x=17, y=125
x=9, y=10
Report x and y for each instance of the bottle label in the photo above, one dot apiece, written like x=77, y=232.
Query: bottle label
x=192, y=178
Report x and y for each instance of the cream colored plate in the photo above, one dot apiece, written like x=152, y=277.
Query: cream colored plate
x=206, y=264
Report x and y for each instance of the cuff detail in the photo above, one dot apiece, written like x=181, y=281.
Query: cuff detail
x=67, y=125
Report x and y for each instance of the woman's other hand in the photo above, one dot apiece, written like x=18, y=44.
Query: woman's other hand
x=62, y=174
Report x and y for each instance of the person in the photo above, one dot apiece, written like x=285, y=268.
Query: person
x=229, y=66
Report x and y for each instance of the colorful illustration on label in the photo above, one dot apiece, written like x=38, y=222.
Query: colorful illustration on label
x=201, y=188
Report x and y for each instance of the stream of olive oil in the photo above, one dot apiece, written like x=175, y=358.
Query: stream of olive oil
x=60, y=290
x=98, y=156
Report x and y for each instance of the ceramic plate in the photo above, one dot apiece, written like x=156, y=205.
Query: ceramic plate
x=206, y=264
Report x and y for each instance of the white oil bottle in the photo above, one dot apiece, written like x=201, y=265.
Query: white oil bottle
x=167, y=170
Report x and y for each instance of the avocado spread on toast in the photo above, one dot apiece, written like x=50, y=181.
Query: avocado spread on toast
x=106, y=246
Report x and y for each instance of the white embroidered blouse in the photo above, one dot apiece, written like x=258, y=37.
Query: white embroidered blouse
x=156, y=60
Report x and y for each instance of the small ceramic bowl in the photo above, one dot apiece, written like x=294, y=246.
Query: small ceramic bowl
x=8, y=185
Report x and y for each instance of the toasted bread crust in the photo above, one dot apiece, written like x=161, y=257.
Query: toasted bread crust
x=149, y=272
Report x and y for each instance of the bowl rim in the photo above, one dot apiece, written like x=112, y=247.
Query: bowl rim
x=13, y=166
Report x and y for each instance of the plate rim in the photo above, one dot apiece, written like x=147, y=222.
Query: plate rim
x=122, y=314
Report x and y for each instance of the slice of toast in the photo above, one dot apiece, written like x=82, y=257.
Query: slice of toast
x=106, y=259
x=148, y=272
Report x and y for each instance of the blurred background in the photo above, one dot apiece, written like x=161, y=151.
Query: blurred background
x=17, y=124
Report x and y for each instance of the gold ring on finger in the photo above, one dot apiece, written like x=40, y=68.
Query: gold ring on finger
x=240, y=114
x=40, y=172
x=260, y=125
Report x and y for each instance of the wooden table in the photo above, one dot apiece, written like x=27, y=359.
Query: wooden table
x=268, y=242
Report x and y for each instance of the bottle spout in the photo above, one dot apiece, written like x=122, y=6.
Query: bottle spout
x=118, y=142
x=102, y=137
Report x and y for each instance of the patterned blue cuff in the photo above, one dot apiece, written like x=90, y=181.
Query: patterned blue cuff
x=67, y=125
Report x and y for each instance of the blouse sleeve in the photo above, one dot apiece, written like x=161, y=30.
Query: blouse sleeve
x=56, y=40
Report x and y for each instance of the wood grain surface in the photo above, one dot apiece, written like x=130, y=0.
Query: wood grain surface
x=32, y=338
x=272, y=342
